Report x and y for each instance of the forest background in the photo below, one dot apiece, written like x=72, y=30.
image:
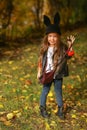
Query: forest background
x=18, y=19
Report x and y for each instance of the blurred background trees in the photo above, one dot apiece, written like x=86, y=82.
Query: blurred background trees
x=21, y=19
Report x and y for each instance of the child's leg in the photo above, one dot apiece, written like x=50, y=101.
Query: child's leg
x=45, y=91
x=58, y=91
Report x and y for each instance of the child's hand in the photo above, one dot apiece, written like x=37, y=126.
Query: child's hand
x=38, y=75
x=70, y=40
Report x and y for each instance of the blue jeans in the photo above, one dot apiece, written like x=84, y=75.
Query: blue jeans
x=58, y=92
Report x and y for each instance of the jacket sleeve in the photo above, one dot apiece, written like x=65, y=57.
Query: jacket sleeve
x=70, y=53
x=39, y=64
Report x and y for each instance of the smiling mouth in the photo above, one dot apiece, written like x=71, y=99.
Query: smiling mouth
x=52, y=42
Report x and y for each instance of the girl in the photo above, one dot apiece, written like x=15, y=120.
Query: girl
x=51, y=53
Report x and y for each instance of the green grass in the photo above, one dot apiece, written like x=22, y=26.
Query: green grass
x=20, y=90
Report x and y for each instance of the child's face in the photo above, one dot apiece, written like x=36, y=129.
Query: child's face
x=53, y=38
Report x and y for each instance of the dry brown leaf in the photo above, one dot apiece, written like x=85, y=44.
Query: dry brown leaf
x=3, y=119
x=7, y=123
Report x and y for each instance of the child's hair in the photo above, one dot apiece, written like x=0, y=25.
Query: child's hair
x=58, y=49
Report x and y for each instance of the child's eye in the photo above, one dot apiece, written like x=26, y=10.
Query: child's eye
x=55, y=37
x=50, y=36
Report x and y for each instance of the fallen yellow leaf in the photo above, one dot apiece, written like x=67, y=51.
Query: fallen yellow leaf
x=24, y=91
x=18, y=114
x=55, y=110
x=15, y=112
x=51, y=99
x=53, y=123
x=15, y=68
x=1, y=106
x=63, y=86
x=73, y=116
x=78, y=77
x=83, y=116
x=21, y=79
x=27, y=76
x=10, y=62
x=47, y=126
x=10, y=116
x=2, y=113
x=50, y=94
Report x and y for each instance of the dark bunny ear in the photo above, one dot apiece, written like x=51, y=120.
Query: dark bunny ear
x=57, y=18
x=46, y=20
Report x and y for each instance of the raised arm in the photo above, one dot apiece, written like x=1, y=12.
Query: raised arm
x=70, y=41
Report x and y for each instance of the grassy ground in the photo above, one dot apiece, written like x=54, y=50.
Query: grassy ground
x=20, y=91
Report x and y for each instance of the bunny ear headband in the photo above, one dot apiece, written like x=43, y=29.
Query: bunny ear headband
x=52, y=27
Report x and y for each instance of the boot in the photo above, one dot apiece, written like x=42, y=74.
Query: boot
x=43, y=112
x=60, y=113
